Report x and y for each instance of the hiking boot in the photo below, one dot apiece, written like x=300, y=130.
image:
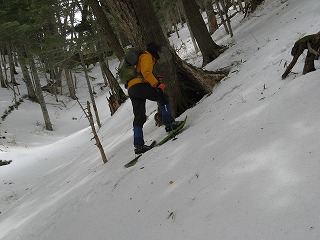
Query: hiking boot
x=139, y=149
x=173, y=126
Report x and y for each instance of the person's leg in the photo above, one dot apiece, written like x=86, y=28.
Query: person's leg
x=138, y=121
x=166, y=114
x=158, y=95
x=139, y=111
x=145, y=91
x=168, y=119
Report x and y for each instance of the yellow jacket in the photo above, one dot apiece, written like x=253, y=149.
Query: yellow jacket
x=145, y=68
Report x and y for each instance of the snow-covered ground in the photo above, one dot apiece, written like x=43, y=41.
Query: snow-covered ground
x=246, y=167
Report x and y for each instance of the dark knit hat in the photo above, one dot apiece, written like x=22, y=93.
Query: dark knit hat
x=154, y=49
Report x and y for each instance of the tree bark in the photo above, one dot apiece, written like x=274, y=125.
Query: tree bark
x=109, y=79
x=208, y=48
x=193, y=39
x=70, y=83
x=40, y=96
x=11, y=64
x=115, y=88
x=25, y=72
x=106, y=28
x=3, y=64
x=2, y=82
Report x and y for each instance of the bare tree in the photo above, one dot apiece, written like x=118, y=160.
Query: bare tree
x=94, y=131
x=90, y=88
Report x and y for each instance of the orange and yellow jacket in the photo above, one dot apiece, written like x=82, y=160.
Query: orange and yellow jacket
x=145, y=68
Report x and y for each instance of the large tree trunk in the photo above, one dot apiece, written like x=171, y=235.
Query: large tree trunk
x=186, y=84
x=208, y=48
x=118, y=95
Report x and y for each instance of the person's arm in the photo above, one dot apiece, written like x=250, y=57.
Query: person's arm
x=146, y=69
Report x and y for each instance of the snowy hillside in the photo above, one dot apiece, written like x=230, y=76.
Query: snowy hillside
x=246, y=167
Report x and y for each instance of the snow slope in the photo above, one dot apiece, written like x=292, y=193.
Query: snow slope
x=246, y=167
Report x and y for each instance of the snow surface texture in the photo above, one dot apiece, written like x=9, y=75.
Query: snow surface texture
x=246, y=167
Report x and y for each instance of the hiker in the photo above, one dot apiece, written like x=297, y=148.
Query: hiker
x=310, y=42
x=147, y=86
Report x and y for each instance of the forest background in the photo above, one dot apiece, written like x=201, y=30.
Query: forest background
x=245, y=167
